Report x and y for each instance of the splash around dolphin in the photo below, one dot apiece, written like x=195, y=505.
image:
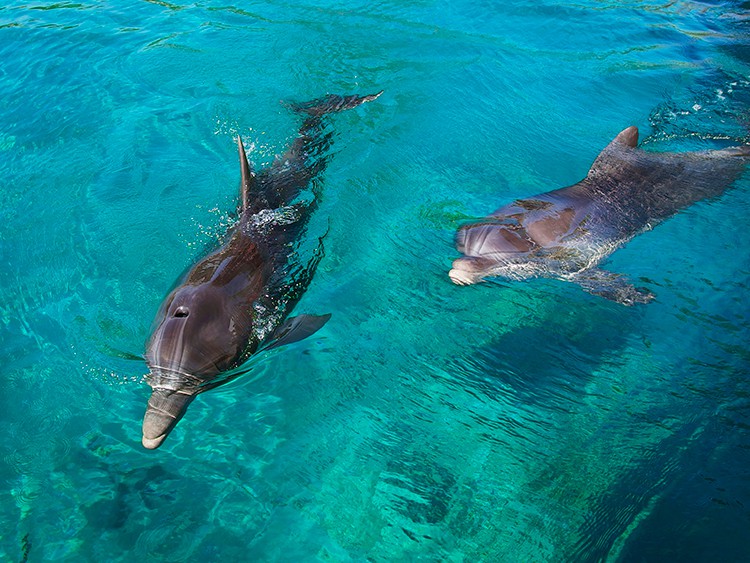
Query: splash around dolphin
x=567, y=232
x=235, y=301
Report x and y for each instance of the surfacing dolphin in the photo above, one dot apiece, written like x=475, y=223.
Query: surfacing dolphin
x=567, y=232
x=235, y=301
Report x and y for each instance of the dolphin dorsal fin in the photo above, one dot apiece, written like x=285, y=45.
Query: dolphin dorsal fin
x=613, y=153
x=248, y=176
x=627, y=137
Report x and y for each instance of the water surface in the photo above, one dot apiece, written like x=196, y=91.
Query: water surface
x=524, y=421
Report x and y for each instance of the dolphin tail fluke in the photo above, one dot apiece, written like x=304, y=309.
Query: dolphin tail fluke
x=332, y=103
x=309, y=151
x=743, y=150
x=165, y=409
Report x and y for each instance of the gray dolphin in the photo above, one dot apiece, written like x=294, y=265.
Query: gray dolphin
x=567, y=232
x=235, y=301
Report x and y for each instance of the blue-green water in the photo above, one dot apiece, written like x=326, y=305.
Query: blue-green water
x=522, y=421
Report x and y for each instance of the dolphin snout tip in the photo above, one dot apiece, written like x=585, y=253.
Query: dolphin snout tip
x=153, y=443
x=461, y=277
x=155, y=429
x=468, y=270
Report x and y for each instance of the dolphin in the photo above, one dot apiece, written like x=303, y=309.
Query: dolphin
x=567, y=232
x=236, y=301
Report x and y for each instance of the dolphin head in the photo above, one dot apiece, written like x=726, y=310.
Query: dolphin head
x=488, y=246
x=200, y=333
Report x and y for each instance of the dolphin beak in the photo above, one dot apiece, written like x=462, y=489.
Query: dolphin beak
x=165, y=409
x=460, y=277
x=464, y=272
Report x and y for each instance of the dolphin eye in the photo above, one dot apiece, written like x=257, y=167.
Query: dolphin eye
x=181, y=312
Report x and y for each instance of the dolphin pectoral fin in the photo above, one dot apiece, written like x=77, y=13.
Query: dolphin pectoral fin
x=296, y=329
x=612, y=286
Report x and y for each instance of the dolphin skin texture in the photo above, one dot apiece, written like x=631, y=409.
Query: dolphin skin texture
x=566, y=233
x=236, y=301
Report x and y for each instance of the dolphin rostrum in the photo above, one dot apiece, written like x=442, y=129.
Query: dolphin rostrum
x=235, y=301
x=567, y=232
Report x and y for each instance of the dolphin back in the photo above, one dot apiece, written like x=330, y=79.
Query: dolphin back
x=303, y=161
x=648, y=186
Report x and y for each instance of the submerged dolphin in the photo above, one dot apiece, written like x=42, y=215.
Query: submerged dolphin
x=235, y=301
x=565, y=233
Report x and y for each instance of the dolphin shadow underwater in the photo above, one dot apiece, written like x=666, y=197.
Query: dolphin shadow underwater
x=567, y=232
x=235, y=301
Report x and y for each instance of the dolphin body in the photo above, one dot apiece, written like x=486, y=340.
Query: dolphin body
x=235, y=301
x=567, y=232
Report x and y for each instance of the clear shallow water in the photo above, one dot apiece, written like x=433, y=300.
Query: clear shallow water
x=502, y=422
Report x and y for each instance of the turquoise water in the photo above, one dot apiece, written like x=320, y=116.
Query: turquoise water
x=524, y=421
